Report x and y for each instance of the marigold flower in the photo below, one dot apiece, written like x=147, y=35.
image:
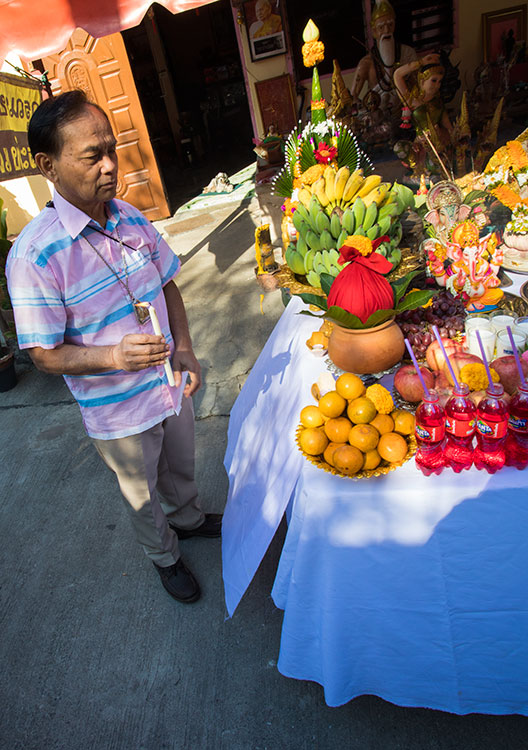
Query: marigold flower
x=475, y=376
x=360, y=243
x=313, y=53
x=381, y=398
x=312, y=174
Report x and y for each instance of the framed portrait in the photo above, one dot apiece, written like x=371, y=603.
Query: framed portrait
x=265, y=28
x=502, y=30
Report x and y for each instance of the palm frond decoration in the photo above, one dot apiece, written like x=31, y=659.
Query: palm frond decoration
x=307, y=158
x=283, y=183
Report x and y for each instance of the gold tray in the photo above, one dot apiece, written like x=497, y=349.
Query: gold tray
x=515, y=304
x=379, y=471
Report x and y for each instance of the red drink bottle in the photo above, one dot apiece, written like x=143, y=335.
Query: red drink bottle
x=517, y=439
x=492, y=426
x=460, y=425
x=430, y=433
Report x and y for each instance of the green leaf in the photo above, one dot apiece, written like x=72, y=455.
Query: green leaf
x=307, y=158
x=311, y=314
x=344, y=318
x=283, y=184
x=348, y=151
x=326, y=282
x=314, y=299
x=476, y=196
x=379, y=317
x=414, y=300
x=400, y=286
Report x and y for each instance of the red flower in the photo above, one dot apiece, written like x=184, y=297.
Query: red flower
x=324, y=153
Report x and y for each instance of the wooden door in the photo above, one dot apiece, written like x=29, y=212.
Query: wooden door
x=100, y=67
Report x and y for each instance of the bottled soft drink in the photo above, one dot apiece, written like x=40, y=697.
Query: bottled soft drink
x=492, y=426
x=517, y=439
x=460, y=425
x=430, y=433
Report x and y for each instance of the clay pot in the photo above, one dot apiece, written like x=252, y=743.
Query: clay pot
x=368, y=350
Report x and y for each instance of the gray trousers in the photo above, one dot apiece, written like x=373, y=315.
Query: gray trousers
x=155, y=471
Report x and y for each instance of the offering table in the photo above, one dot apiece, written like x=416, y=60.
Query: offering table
x=407, y=587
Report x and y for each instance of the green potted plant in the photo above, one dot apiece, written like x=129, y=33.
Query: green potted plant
x=7, y=329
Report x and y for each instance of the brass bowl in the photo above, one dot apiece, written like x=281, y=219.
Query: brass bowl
x=379, y=471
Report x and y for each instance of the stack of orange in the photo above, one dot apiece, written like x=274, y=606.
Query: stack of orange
x=348, y=432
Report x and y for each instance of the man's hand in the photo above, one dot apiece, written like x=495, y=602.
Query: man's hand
x=183, y=360
x=137, y=351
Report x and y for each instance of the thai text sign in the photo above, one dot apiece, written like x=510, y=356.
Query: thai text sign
x=18, y=100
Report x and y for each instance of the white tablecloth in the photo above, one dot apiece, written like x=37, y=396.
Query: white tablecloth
x=410, y=588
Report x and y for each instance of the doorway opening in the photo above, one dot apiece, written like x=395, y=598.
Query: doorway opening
x=189, y=80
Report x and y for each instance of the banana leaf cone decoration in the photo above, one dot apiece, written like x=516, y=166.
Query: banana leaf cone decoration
x=313, y=53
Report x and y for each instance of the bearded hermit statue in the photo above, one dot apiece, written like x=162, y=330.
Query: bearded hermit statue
x=376, y=69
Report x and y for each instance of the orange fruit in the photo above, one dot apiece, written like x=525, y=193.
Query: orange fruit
x=364, y=436
x=383, y=423
x=361, y=410
x=311, y=417
x=392, y=447
x=332, y=404
x=328, y=455
x=403, y=421
x=347, y=459
x=338, y=429
x=313, y=440
x=371, y=460
x=350, y=386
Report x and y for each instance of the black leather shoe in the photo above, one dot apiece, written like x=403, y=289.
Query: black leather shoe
x=211, y=527
x=178, y=580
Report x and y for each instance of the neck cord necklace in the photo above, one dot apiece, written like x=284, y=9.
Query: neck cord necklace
x=141, y=310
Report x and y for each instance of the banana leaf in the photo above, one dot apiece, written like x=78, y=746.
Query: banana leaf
x=314, y=299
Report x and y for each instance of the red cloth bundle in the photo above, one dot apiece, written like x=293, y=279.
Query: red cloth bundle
x=361, y=288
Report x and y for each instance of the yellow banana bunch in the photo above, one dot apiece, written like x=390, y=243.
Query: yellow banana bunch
x=377, y=195
x=341, y=180
x=319, y=190
x=329, y=177
x=305, y=196
x=353, y=184
x=369, y=183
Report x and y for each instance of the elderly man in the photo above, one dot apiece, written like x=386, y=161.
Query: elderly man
x=377, y=68
x=81, y=277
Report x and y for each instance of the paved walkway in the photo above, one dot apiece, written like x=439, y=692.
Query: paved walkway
x=94, y=654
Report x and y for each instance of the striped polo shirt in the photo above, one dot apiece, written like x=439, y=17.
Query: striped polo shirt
x=63, y=292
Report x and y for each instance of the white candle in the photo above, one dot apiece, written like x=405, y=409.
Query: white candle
x=157, y=330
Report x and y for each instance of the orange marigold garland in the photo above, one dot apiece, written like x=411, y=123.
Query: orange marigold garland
x=313, y=53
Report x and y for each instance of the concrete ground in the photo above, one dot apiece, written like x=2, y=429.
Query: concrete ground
x=94, y=653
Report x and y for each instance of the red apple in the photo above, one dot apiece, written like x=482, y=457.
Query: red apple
x=434, y=355
x=506, y=369
x=408, y=384
x=458, y=360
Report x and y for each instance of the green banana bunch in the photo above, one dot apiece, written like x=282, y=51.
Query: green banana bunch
x=371, y=214
x=294, y=260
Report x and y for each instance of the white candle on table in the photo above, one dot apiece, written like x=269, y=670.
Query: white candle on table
x=157, y=330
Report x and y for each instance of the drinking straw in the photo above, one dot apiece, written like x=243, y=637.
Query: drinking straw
x=416, y=367
x=516, y=355
x=488, y=373
x=448, y=363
